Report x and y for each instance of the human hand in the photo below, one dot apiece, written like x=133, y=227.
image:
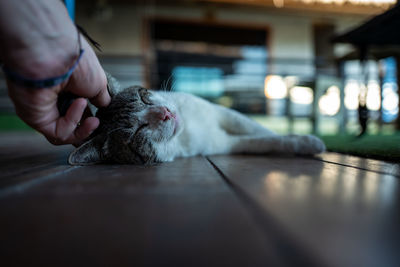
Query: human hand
x=38, y=107
x=49, y=52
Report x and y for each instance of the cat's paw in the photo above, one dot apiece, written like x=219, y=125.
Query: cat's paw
x=308, y=145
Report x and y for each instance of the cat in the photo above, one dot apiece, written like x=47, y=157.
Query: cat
x=146, y=127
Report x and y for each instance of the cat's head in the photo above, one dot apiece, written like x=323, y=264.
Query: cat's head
x=131, y=129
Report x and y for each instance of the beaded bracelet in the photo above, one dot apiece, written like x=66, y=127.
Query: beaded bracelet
x=43, y=83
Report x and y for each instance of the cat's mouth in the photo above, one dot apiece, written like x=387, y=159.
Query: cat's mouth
x=169, y=115
x=168, y=120
x=177, y=123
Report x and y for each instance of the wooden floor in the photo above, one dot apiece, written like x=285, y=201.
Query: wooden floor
x=333, y=210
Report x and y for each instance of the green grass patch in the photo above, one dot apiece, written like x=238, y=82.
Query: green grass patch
x=386, y=147
x=11, y=122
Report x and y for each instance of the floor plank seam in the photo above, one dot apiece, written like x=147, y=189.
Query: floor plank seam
x=293, y=254
x=355, y=167
x=23, y=186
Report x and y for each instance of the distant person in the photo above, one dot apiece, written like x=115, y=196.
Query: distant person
x=43, y=56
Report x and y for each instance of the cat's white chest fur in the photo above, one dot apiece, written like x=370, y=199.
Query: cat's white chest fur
x=199, y=131
x=202, y=133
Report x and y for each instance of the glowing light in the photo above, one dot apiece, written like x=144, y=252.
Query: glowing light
x=329, y=103
x=275, y=87
x=351, y=92
x=279, y=3
x=301, y=95
x=390, y=98
x=373, y=96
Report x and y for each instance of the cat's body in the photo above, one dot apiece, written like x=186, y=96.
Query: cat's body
x=142, y=127
x=204, y=128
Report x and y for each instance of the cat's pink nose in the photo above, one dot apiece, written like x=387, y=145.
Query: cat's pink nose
x=165, y=114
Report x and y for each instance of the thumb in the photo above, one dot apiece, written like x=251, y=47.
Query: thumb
x=89, y=79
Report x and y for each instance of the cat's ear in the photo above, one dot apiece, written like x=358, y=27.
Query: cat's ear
x=113, y=85
x=88, y=153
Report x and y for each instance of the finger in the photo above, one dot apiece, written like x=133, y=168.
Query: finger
x=66, y=125
x=85, y=130
x=102, y=99
x=89, y=79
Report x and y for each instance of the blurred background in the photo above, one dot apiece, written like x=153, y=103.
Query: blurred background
x=286, y=63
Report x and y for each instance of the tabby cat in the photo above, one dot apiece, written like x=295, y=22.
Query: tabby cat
x=144, y=127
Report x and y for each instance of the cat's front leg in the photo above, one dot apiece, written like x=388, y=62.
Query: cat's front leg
x=291, y=144
x=302, y=144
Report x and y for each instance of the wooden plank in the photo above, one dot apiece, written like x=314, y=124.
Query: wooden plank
x=378, y=166
x=25, y=144
x=26, y=156
x=174, y=214
x=23, y=168
x=342, y=216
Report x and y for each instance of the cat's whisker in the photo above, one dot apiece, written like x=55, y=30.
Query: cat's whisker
x=165, y=83
x=168, y=88
x=162, y=86
x=173, y=85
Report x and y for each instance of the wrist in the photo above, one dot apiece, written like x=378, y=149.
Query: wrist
x=44, y=60
x=48, y=82
x=42, y=44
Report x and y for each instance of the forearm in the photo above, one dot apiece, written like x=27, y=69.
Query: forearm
x=39, y=41
x=44, y=39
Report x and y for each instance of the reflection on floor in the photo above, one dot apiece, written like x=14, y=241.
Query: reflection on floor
x=241, y=210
